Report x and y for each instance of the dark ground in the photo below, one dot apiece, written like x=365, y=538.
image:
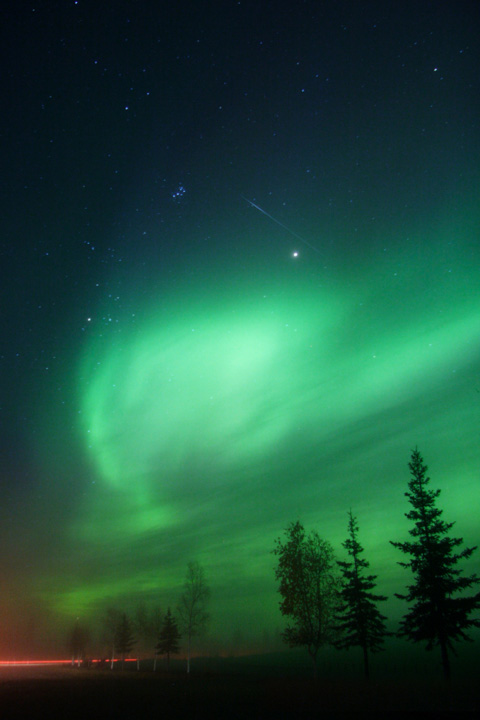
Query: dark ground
x=85, y=693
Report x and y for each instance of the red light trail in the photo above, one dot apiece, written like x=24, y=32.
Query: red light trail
x=33, y=663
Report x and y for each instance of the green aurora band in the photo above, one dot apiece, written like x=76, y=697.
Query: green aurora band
x=221, y=416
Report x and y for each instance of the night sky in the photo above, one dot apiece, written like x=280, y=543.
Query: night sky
x=240, y=272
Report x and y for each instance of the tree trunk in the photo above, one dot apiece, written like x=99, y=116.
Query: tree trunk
x=313, y=655
x=365, y=662
x=445, y=659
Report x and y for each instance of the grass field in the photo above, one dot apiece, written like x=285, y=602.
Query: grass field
x=74, y=693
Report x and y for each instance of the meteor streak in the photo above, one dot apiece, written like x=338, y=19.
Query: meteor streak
x=299, y=237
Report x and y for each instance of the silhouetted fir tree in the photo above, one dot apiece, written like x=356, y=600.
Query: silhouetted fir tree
x=111, y=621
x=435, y=616
x=169, y=637
x=124, y=638
x=78, y=641
x=359, y=621
x=147, y=624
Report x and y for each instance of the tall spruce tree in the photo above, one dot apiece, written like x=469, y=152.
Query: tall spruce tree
x=78, y=642
x=359, y=621
x=124, y=638
x=169, y=637
x=435, y=616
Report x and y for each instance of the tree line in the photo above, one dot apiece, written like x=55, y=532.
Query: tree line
x=333, y=602
x=122, y=633
x=328, y=601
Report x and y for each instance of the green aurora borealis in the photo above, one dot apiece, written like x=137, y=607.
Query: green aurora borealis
x=176, y=385
x=218, y=418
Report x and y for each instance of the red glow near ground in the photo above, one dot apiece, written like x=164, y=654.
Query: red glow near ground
x=32, y=663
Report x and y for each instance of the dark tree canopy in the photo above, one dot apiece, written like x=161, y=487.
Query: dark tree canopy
x=359, y=620
x=78, y=641
x=110, y=624
x=147, y=623
x=435, y=616
x=124, y=638
x=309, y=586
x=168, y=642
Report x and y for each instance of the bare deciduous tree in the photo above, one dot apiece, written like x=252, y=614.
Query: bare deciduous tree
x=310, y=589
x=192, y=606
